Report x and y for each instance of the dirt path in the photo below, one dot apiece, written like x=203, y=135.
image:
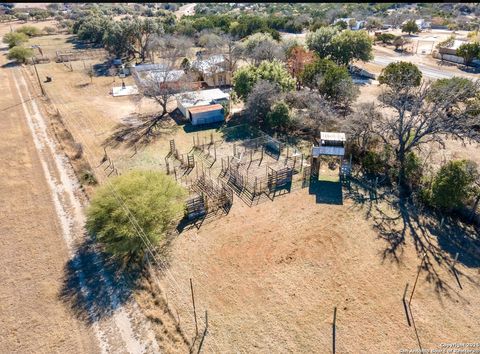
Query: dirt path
x=32, y=251
x=85, y=273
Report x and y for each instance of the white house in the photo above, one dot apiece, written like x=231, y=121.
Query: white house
x=421, y=24
x=353, y=24
x=213, y=70
x=203, y=107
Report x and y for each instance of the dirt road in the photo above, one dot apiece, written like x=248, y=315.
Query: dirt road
x=57, y=294
x=32, y=250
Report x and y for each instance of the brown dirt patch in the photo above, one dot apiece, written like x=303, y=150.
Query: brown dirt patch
x=271, y=275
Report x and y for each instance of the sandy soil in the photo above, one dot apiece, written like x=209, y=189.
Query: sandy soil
x=270, y=277
x=32, y=250
x=81, y=305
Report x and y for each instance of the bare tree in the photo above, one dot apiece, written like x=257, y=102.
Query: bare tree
x=418, y=115
x=233, y=51
x=261, y=46
x=162, y=86
x=260, y=100
x=170, y=47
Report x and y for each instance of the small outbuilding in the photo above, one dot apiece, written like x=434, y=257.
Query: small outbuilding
x=203, y=107
x=206, y=114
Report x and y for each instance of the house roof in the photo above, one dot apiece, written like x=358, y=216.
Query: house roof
x=166, y=76
x=150, y=67
x=208, y=64
x=207, y=108
x=332, y=136
x=202, y=97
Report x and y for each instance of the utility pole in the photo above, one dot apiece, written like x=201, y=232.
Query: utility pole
x=38, y=77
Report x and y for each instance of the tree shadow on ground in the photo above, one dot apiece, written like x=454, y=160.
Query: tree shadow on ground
x=396, y=218
x=79, y=44
x=101, y=69
x=470, y=69
x=138, y=131
x=446, y=63
x=10, y=64
x=95, y=286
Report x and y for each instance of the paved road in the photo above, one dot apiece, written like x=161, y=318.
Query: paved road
x=426, y=70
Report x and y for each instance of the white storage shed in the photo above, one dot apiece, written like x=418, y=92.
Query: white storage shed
x=203, y=107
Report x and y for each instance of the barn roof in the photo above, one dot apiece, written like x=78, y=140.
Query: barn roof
x=331, y=136
x=207, y=108
x=328, y=150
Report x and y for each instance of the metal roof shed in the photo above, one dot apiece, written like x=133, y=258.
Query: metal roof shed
x=200, y=98
x=206, y=114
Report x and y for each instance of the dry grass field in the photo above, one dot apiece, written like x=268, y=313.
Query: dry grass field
x=32, y=251
x=271, y=275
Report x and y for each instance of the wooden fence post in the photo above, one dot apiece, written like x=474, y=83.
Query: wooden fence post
x=194, y=309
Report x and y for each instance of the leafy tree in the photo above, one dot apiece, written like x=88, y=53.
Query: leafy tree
x=410, y=27
x=342, y=47
x=453, y=184
x=351, y=45
x=30, y=31
x=400, y=75
x=92, y=29
x=386, y=38
x=462, y=85
x=154, y=201
x=274, y=71
x=22, y=16
x=142, y=32
x=243, y=81
x=20, y=54
x=320, y=41
x=279, y=116
x=331, y=80
x=337, y=86
x=14, y=39
x=469, y=51
x=311, y=71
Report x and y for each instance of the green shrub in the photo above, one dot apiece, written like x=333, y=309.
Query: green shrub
x=14, y=39
x=154, y=201
x=279, y=116
x=452, y=185
x=28, y=30
x=20, y=54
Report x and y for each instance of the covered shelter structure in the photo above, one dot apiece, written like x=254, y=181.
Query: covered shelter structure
x=331, y=144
